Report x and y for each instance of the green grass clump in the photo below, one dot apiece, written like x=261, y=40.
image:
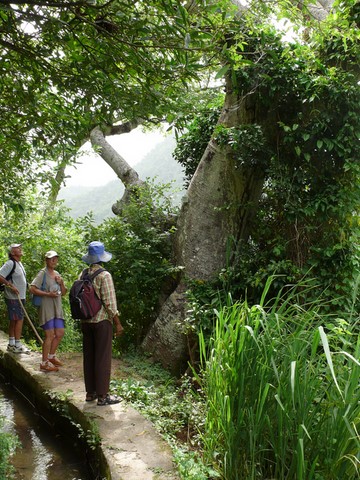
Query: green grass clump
x=282, y=394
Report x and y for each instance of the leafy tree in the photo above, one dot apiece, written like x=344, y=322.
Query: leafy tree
x=70, y=66
x=140, y=242
x=192, y=144
x=286, y=134
x=306, y=219
x=134, y=67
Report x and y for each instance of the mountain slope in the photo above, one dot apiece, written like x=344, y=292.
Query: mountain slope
x=158, y=164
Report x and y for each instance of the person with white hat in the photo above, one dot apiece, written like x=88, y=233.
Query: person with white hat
x=98, y=331
x=49, y=285
x=13, y=277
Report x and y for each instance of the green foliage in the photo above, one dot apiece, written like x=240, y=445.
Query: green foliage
x=305, y=136
x=8, y=444
x=59, y=401
x=191, y=145
x=282, y=395
x=247, y=143
x=308, y=211
x=140, y=242
x=80, y=65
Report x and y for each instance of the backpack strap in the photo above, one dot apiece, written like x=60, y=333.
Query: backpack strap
x=43, y=281
x=9, y=276
x=85, y=273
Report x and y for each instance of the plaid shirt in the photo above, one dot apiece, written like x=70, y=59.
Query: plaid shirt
x=104, y=288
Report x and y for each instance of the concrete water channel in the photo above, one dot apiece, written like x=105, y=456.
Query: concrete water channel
x=117, y=442
x=42, y=454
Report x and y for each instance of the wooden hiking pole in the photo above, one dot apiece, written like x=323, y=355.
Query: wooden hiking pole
x=30, y=322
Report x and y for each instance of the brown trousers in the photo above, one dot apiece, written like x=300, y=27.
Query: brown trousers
x=97, y=352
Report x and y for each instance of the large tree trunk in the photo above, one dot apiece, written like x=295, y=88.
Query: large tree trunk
x=220, y=203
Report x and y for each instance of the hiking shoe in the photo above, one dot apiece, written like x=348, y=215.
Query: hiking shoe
x=18, y=348
x=55, y=361
x=48, y=367
x=108, y=400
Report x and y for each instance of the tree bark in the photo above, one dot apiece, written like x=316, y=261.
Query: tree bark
x=219, y=205
x=123, y=170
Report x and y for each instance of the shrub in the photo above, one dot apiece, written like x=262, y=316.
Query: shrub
x=140, y=241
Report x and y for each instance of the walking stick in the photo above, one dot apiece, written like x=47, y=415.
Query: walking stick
x=30, y=322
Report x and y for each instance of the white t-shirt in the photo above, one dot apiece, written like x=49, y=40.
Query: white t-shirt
x=18, y=279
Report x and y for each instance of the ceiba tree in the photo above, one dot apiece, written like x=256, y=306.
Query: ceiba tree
x=251, y=135
x=143, y=78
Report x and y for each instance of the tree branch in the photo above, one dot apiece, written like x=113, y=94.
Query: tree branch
x=50, y=3
x=123, y=128
x=125, y=173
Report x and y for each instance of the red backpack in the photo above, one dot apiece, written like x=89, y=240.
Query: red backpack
x=84, y=303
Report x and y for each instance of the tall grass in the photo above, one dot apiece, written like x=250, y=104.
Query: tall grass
x=282, y=395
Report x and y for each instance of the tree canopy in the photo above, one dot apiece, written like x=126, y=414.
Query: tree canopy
x=67, y=67
x=286, y=139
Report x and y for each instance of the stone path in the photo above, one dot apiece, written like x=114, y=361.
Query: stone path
x=131, y=447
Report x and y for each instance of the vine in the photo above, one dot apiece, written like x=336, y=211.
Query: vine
x=307, y=222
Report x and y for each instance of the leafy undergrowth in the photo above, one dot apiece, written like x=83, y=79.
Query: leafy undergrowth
x=175, y=407
x=9, y=441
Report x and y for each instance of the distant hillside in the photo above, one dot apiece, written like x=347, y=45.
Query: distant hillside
x=158, y=164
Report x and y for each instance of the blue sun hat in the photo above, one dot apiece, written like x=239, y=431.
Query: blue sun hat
x=96, y=253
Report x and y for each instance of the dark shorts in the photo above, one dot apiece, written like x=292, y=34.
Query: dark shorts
x=53, y=324
x=15, y=310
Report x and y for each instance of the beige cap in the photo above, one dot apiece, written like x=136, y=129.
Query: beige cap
x=51, y=254
x=14, y=245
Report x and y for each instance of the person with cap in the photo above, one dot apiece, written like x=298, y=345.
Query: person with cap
x=98, y=331
x=49, y=285
x=13, y=276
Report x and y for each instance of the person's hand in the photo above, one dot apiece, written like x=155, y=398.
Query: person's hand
x=13, y=288
x=52, y=294
x=119, y=329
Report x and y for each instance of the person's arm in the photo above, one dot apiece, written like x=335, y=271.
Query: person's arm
x=36, y=286
x=8, y=284
x=41, y=293
x=108, y=298
x=5, y=271
x=119, y=329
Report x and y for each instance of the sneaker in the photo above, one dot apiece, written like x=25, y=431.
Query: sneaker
x=18, y=348
x=55, y=361
x=48, y=367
